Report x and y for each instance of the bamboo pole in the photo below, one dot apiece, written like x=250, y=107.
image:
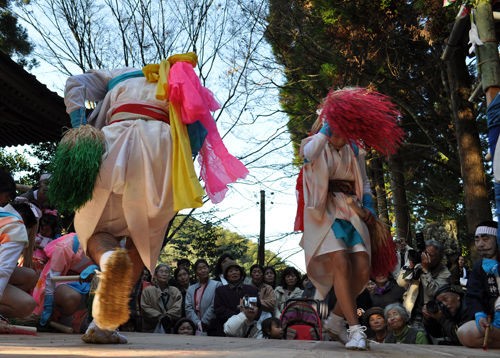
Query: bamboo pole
x=65, y=278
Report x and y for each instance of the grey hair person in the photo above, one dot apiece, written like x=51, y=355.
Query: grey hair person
x=399, y=308
x=160, y=266
x=437, y=245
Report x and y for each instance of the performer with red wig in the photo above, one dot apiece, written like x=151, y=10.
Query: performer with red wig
x=337, y=202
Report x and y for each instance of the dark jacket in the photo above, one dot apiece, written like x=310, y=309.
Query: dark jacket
x=482, y=290
x=391, y=293
x=446, y=327
x=227, y=301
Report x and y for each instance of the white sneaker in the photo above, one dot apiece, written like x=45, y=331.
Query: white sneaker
x=357, y=339
x=336, y=327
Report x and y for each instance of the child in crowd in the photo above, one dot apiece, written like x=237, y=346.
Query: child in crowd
x=185, y=326
x=46, y=233
x=271, y=328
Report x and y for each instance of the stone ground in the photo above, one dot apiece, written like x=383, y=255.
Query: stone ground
x=155, y=345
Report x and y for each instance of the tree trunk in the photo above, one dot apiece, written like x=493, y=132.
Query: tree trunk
x=477, y=205
x=378, y=183
x=401, y=210
x=489, y=70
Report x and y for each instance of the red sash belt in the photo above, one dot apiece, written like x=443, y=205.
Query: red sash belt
x=154, y=112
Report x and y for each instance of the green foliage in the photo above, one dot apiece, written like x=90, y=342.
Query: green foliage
x=27, y=163
x=393, y=47
x=202, y=239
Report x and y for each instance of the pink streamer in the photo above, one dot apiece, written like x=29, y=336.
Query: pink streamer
x=218, y=167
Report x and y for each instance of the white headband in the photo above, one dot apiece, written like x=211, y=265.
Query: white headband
x=486, y=230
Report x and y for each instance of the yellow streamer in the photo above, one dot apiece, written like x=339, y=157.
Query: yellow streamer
x=187, y=189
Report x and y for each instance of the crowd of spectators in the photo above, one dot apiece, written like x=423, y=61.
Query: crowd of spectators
x=424, y=300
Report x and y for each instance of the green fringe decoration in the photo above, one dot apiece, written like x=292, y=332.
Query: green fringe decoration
x=75, y=167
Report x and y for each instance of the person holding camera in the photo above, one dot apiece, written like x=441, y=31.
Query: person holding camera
x=422, y=280
x=444, y=314
x=247, y=323
x=227, y=300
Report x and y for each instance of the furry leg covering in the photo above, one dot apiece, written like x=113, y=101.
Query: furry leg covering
x=110, y=308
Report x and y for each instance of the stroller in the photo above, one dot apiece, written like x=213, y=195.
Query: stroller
x=300, y=320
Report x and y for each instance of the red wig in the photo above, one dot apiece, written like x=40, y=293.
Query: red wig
x=365, y=117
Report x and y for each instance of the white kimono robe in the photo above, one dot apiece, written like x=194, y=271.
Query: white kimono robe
x=133, y=193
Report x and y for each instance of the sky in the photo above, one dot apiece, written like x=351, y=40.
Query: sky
x=241, y=206
x=274, y=174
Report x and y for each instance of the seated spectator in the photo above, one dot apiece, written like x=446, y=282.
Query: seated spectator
x=397, y=319
x=445, y=314
x=185, y=326
x=270, y=276
x=247, y=323
x=271, y=328
x=482, y=291
x=47, y=231
x=160, y=303
x=386, y=291
x=459, y=273
x=38, y=194
x=290, y=287
x=228, y=297
x=200, y=298
x=267, y=296
x=67, y=302
x=16, y=220
x=422, y=280
x=375, y=321
x=185, y=264
x=219, y=272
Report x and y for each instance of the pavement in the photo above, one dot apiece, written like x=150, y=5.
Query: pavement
x=166, y=345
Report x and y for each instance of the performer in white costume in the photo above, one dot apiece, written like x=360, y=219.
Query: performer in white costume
x=133, y=197
x=337, y=202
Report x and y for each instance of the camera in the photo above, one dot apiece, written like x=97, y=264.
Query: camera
x=434, y=306
x=249, y=302
x=415, y=256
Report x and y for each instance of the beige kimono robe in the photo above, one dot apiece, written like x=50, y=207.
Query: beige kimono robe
x=324, y=163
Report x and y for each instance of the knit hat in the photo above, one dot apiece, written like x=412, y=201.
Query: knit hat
x=231, y=263
x=371, y=311
x=449, y=288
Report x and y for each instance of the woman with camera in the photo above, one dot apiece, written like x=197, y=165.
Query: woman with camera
x=227, y=301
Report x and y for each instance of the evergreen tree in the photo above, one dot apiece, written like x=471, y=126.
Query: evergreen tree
x=13, y=37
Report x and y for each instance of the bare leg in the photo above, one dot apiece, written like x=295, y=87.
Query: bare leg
x=135, y=258
x=353, y=281
x=67, y=300
x=100, y=243
x=471, y=337
x=23, y=278
x=16, y=303
x=360, y=272
x=342, y=273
